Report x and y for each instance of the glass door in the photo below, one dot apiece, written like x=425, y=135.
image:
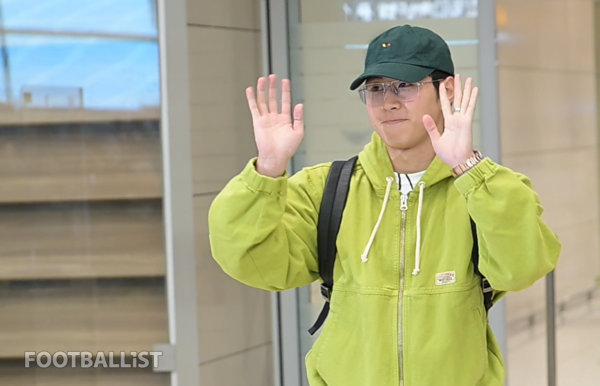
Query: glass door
x=328, y=44
x=81, y=225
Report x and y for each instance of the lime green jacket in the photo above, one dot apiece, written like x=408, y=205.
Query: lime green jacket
x=396, y=318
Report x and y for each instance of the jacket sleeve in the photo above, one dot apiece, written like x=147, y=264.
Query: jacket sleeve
x=516, y=247
x=263, y=231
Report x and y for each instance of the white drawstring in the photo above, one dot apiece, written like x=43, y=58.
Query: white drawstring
x=389, y=180
x=418, y=251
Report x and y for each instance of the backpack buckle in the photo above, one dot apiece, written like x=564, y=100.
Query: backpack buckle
x=325, y=292
x=486, y=286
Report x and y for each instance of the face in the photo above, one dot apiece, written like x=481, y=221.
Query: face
x=400, y=124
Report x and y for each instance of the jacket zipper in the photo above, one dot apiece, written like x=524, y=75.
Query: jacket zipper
x=403, y=209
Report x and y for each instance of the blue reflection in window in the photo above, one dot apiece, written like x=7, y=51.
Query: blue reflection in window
x=80, y=54
x=133, y=17
x=112, y=74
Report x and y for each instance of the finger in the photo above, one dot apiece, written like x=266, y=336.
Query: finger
x=458, y=94
x=273, y=94
x=472, y=103
x=252, y=103
x=260, y=96
x=467, y=96
x=446, y=109
x=286, y=98
x=431, y=128
x=299, y=117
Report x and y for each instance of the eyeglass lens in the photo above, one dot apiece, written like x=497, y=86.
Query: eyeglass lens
x=374, y=93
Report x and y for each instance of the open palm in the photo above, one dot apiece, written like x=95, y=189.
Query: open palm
x=455, y=144
x=277, y=136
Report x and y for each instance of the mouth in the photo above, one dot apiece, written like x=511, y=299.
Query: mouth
x=395, y=121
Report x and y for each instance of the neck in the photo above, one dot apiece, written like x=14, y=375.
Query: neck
x=413, y=160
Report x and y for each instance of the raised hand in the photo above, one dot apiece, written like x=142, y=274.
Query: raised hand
x=455, y=145
x=277, y=136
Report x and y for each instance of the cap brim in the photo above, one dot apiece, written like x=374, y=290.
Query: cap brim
x=404, y=72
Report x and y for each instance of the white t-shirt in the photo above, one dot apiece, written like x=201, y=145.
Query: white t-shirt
x=407, y=182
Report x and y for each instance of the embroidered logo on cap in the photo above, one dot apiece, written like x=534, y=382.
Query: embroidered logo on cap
x=445, y=278
x=384, y=45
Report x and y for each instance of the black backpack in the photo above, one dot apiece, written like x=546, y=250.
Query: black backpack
x=330, y=218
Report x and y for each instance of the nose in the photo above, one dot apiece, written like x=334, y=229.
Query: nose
x=391, y=101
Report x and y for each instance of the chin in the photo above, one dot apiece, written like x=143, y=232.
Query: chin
x=400, y=145
x=403, y=138
x=397, y=141
x=397, y=144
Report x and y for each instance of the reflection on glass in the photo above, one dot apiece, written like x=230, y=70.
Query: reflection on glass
x=131, y=17
x=60, y=72
x=386, y=10
x=81, y=228
x=79, y=55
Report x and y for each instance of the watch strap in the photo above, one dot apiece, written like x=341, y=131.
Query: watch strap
x=464, y=167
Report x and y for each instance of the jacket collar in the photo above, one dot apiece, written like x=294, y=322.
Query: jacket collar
x=376, y=162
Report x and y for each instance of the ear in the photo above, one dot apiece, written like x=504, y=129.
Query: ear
x=449, y=83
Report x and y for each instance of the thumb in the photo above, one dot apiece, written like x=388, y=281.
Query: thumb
x=431, y=128
x=299, y=117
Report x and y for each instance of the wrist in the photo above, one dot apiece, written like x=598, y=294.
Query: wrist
x=474, y=158
x=465, y=157
x=270, y=168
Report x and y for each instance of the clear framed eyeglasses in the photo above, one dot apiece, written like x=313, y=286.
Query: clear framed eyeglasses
x=373, y=94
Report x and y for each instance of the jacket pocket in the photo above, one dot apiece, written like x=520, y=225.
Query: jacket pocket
x=358, y=345
x=444, y=338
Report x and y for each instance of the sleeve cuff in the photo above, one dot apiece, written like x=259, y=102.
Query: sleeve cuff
x=476, y=176
x=263, y=184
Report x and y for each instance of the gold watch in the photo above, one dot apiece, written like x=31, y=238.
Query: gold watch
x=460, y=169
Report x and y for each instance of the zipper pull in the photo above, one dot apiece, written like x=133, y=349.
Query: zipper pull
x=404, y=202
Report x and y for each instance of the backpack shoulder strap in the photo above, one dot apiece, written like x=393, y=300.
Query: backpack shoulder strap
x=330, y=219
x=488, y=292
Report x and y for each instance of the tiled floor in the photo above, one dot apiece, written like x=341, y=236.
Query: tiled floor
x=578, y=351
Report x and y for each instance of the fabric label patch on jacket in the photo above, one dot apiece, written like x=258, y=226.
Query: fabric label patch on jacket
x=445, y=278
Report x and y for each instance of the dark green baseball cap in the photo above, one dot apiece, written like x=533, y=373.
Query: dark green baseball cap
x=406, y=53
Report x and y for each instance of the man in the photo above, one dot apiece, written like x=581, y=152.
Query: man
x=407, y=304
